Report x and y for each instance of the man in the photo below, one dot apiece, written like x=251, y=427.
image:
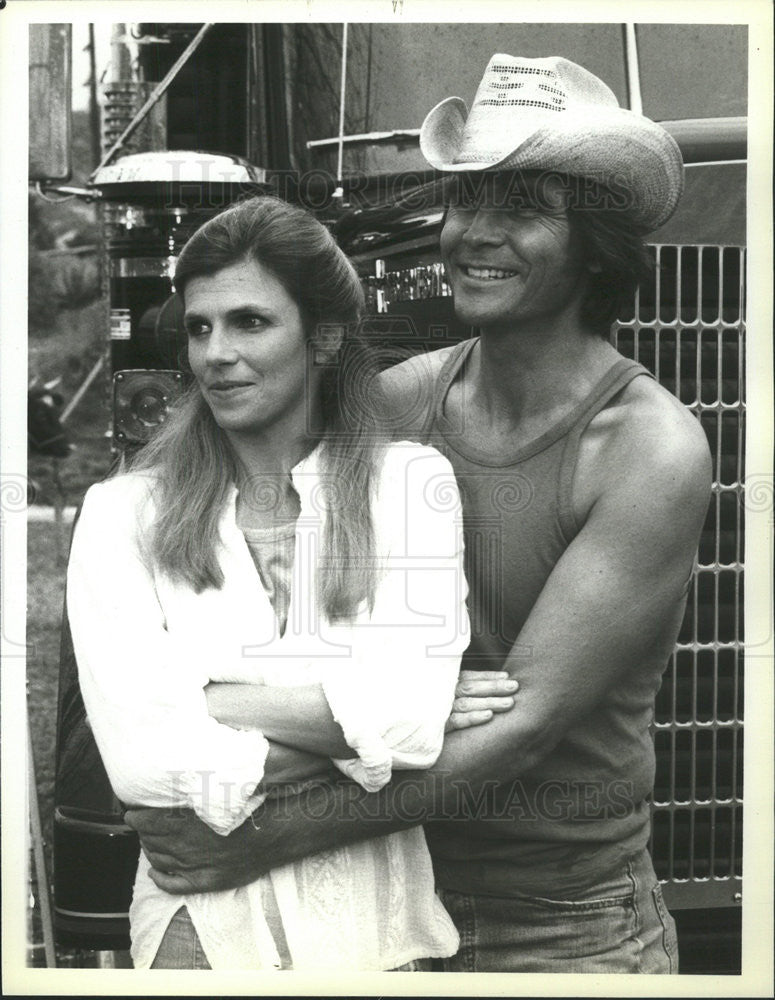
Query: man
x=585, y=487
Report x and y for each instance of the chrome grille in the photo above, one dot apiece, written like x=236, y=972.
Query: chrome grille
x=688, y=328
x=409, y=284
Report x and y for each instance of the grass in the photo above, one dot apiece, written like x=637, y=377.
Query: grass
x=70, y=353
x=46, y=576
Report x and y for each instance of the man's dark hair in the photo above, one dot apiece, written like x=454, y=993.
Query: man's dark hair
x=609, y=239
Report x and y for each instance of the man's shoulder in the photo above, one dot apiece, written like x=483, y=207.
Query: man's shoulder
x=646, y=439
x=409, y=389
x=660, y=426
x=419, y=372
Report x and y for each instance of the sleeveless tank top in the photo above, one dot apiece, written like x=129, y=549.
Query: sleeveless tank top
x=583, y=809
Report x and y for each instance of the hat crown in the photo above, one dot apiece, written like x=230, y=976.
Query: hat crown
x=548, y=84
x=517, y=96
x=552, y=114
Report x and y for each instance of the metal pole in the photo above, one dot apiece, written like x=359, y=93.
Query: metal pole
x=368, y=82
x=342, y=96
x=79, y=395
x=40, y=860
x=94, y=111
x=120, y=66
x=633, y=69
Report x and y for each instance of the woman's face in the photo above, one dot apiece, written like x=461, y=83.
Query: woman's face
x=247, y=349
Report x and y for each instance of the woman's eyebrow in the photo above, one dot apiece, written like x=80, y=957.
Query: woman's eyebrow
x=231, y=312
x=249, y=307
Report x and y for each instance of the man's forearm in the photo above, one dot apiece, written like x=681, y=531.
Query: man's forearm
x=333, y=815
x=187, y=856
x=330, y=815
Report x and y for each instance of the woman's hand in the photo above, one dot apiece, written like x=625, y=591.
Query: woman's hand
x=478, y=695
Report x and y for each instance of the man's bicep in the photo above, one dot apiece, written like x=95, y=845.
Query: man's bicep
x=614, y=593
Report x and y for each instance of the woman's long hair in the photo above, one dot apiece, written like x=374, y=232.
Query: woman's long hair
x=192, y=464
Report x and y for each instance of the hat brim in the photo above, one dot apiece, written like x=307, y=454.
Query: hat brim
x=620, y=150
x=442, y=135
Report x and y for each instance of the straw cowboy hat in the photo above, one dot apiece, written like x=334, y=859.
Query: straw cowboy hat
x=552, y=114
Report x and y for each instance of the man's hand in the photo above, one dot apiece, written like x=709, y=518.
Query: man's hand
x=478, y=695
x=187, y=856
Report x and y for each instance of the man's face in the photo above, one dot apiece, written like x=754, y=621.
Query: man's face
x=510, y=253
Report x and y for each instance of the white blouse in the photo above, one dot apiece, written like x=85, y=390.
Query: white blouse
x=147, y=646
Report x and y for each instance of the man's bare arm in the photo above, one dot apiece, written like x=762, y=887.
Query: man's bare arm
x=602, y=608
x=614, y=597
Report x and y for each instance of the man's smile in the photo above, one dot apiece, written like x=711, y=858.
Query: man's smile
x=487, y=273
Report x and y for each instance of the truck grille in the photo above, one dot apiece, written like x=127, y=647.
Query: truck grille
x=688, y=328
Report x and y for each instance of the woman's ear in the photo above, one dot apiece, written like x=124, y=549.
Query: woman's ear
x=326, y=341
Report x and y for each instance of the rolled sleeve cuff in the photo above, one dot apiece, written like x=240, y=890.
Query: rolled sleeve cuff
x=371, y=769
x=374, y=765
x=224, y=797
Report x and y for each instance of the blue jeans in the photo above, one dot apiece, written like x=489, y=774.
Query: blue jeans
x=180, y=948
x=620, y=924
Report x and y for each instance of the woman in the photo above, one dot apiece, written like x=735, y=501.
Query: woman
x=271, y=584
